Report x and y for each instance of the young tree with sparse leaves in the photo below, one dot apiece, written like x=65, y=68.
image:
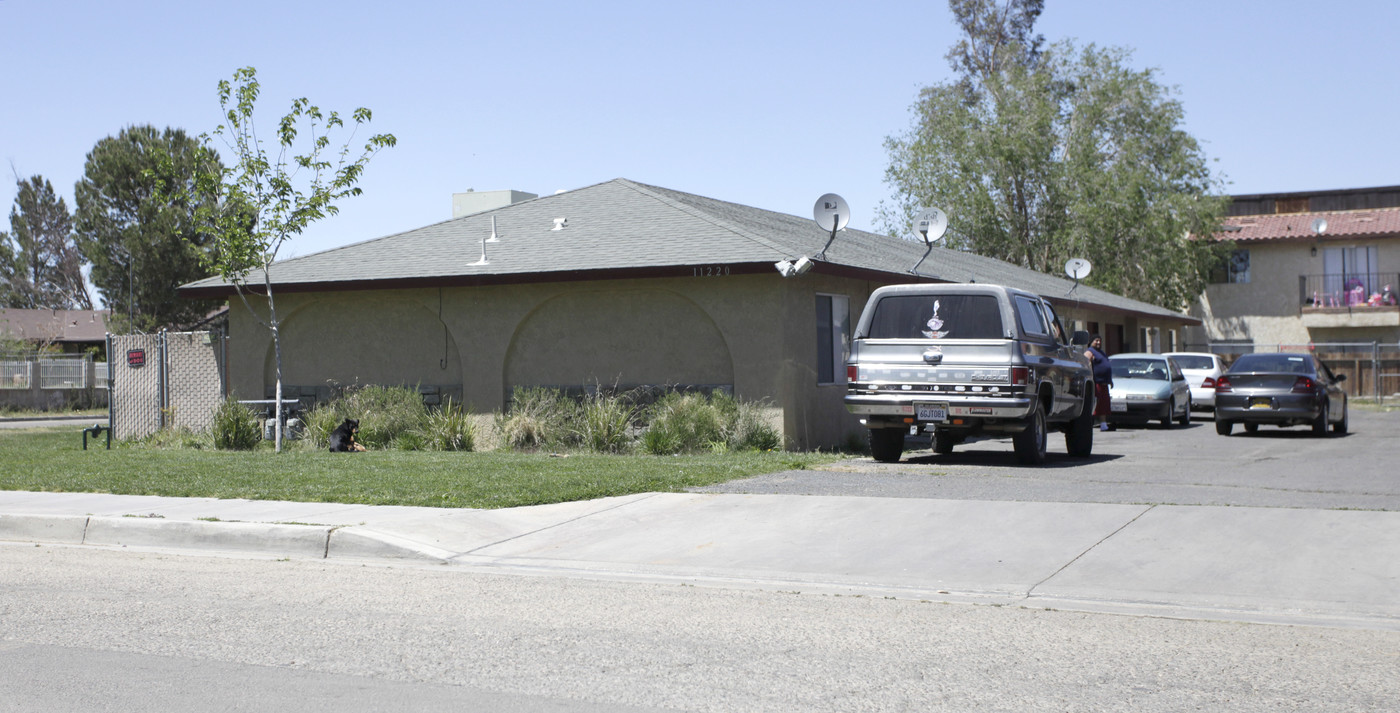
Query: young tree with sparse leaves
x=1042, y=154
x=266, y=200
x=40, y=266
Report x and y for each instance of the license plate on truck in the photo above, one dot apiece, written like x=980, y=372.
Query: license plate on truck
x=1117, y=407
x=931, y=412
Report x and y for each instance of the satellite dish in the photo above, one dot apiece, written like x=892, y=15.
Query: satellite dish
x=1077, y=268
x=932, y=223
x=1319, y=225
x=831, y=212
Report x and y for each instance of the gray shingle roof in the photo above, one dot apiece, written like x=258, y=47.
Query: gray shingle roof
x=621, y=225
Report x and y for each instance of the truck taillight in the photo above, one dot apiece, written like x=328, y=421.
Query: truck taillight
x=851, y=373
x=1222, y=385
x=1304, y=385
x=1020, y=375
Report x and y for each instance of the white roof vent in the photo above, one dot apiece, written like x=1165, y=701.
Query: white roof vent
x=559, y=223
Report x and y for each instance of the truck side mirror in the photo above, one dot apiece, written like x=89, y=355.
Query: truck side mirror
x=1080, y=338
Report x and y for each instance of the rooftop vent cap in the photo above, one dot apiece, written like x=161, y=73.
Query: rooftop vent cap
x=559, y=223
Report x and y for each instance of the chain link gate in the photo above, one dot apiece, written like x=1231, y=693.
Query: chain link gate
x=164, y=380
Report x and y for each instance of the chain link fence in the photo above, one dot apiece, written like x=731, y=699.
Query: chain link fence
x=165, y=380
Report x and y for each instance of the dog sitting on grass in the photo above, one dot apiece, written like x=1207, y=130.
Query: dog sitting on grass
x=343, y=437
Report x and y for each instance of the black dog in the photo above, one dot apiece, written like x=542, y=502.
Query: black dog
x=343, y=437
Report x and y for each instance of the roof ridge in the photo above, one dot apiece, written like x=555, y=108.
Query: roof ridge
x=653, y=192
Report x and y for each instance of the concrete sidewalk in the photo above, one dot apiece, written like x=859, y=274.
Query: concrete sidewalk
x=1327, y=567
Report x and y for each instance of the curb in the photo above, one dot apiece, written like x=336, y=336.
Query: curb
x=301, y=541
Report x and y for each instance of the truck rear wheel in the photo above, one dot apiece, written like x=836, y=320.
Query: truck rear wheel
x=944, y=441
x=1030, y=443
x=886, y=444
x=1079, y=438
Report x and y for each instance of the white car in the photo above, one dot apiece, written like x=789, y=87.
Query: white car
x=1202, y=370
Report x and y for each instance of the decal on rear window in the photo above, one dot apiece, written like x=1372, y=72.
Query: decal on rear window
x=935, y=325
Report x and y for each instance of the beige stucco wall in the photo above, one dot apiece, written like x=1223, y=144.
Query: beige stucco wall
x=1267, y=310
x=755, y=333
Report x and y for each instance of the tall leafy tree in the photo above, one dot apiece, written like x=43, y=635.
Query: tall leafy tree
x=138, y=232
x=40, y=266
x=1039, y=154
x=266, y=200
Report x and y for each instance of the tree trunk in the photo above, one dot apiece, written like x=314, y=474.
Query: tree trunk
x=274, y=325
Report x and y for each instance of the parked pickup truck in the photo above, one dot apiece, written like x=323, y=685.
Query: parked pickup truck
x=964, y=361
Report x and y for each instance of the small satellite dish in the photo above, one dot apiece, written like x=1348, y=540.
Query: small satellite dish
x=1077, y=268
x=1319, y=225
x=831, y=212
x=932, y=223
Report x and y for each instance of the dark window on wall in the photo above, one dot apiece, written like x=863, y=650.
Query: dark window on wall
x=1234, y=270
x=833, y=338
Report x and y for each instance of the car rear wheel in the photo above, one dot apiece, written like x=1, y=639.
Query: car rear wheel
x=1319, y=425
x=1222, y=426
x=886, y=444
x=1251, y=428
x=1030, y=443
x=1185, y=419
x=1340, y=427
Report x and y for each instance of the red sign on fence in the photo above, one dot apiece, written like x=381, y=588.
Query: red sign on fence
x=135, y=358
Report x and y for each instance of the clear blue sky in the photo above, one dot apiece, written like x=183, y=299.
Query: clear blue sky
x=768, y=104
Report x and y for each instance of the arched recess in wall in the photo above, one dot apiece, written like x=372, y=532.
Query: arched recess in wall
x=626, y=337
x=364, y=338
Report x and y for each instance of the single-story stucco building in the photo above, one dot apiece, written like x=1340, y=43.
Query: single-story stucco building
x=618, y=284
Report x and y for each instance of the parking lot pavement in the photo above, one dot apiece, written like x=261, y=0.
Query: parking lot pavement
x=1286, y=468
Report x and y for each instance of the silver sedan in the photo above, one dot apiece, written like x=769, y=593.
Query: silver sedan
x=1148, y=387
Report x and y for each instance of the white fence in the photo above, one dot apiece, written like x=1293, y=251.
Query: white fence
x=51, y=382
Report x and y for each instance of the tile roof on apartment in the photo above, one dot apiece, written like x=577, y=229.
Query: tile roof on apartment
x=1341, y=225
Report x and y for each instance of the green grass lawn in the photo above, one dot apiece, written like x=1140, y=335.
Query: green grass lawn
x=52, y=460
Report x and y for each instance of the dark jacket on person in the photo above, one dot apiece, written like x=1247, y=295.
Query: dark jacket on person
x=1103, y=371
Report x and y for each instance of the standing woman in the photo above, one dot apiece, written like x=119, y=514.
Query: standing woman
x=1103, y=378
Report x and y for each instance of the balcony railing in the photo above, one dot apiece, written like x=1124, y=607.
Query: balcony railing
x=1349, y=290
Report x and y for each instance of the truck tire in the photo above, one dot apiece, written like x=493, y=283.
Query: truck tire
x=943, y=442
x=886, y=444
x=1030, y=443
x=1079, y=438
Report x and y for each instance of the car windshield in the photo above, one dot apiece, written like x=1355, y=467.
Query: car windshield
x=1130, y=368
x=1272, y=363
x=937, y=317
x=1194, y=362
